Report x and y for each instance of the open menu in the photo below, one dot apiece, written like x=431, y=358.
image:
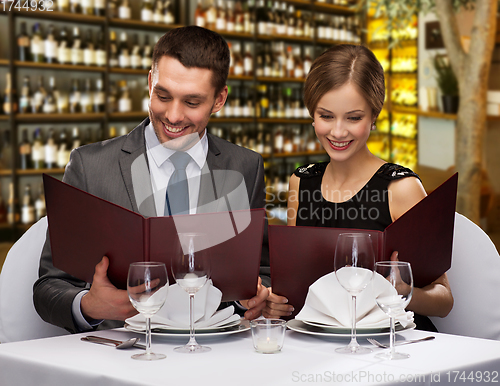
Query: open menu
x=83, y=228
x=423, y=236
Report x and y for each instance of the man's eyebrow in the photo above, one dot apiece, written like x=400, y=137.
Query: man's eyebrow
x=189, y=96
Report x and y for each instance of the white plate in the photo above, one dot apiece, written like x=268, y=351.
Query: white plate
x=209, y=328
x=299, y=326
x=242, y=325
x=358, y=328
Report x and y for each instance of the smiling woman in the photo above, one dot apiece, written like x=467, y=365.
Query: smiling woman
x=344, y=93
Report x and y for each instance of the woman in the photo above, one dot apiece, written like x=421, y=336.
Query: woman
x=344, y=93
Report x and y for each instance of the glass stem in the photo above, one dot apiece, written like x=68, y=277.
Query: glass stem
x=354, y=342
x=148, y=335
x=392, y=337
x=192, y=340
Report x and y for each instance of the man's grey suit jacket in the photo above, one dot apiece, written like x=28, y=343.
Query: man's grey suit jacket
x=105, y=170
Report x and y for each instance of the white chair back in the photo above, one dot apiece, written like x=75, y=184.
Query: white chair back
x=18, y=318
x=475, y=280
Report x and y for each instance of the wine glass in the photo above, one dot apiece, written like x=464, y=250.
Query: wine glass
x=398, y=273
x=191, y=270
x=147, y=288
x=354, y=262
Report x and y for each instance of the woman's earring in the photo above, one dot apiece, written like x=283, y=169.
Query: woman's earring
x=313, y=123
x=373, y=126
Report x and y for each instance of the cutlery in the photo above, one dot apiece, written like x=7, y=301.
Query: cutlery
x=111, y=342
x=378, y=344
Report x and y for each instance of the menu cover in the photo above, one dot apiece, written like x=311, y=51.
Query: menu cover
x=423, y=236
x=83, y=228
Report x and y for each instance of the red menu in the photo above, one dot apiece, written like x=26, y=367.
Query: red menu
x=422, y=236
x=83, y=228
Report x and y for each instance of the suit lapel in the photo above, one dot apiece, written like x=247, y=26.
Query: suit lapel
x=135, y=172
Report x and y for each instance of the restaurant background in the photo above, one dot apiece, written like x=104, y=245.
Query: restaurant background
x=101, y=88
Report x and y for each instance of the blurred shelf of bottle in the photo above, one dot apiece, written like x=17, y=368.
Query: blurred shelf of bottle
x=57, y=66
x=128, y=71
x=128, y=116
x=141, y=25
x=4, y=62
x=347, y=9
x=269, y=79
x=49, y=118
x=59, y=16
x=296, y=39
x=285, y=121
x=299, y=154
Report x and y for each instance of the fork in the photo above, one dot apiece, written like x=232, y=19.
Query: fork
x=378, y=344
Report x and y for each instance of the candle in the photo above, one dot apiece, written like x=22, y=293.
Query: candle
x=267, y=345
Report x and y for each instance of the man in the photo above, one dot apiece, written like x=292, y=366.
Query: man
x=187, y=83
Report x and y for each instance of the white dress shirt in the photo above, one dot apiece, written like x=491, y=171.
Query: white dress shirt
x=160, y=171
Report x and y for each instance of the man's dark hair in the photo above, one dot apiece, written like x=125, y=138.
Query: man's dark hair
x=198, y=47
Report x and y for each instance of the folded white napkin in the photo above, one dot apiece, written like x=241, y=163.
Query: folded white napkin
x=327, y=302
x=175, y=311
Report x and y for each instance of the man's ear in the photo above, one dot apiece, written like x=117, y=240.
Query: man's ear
x=220, y=99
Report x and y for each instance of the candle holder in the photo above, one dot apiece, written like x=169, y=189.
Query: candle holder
x=268, y=335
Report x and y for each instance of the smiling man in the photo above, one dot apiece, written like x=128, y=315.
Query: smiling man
x=187, y=83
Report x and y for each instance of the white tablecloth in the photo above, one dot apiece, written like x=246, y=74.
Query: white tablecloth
x=305, y=359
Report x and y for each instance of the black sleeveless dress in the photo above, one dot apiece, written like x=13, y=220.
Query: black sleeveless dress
x=366, y=209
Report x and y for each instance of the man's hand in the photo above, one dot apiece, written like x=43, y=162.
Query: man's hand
x=276, y=306
x=104, y=300
x=257, y=303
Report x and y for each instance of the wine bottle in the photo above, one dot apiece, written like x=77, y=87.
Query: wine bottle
x=50, y=100
x=28, y=208
x=210, y=15
x=74, y=97
x=99, y=97
x=23, y=44
x=168, y=13
x=37, y=44
x=12, y=206
x=86, y=99
x=63, y=149
x=38, y=150
x=123, y=51
x=25, y=97
x=3, y=209
x=124, y=102
x=136, y=54
x=239, y=22
x=76, y=47
x=75, y=6
x=199, y=15
x=38, y=97
x=75, y=138
x=87, y=7
x=113, y=50
x=124, y=11
x=100, y=50
x=63, y=49
x=50, y=45
x=145, y=98
x=220, y=22
x=51, y=150
x=158, y=12
x=89, y=52
x=230, y=27
x=40, y=210
x=112, y=98
x=63, y=5
x=147, y=11
x=147, y=53
x=6, y=154
x=248, y=60
x=100, y=7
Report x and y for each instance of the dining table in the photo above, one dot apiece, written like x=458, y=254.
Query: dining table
x=304, y=359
